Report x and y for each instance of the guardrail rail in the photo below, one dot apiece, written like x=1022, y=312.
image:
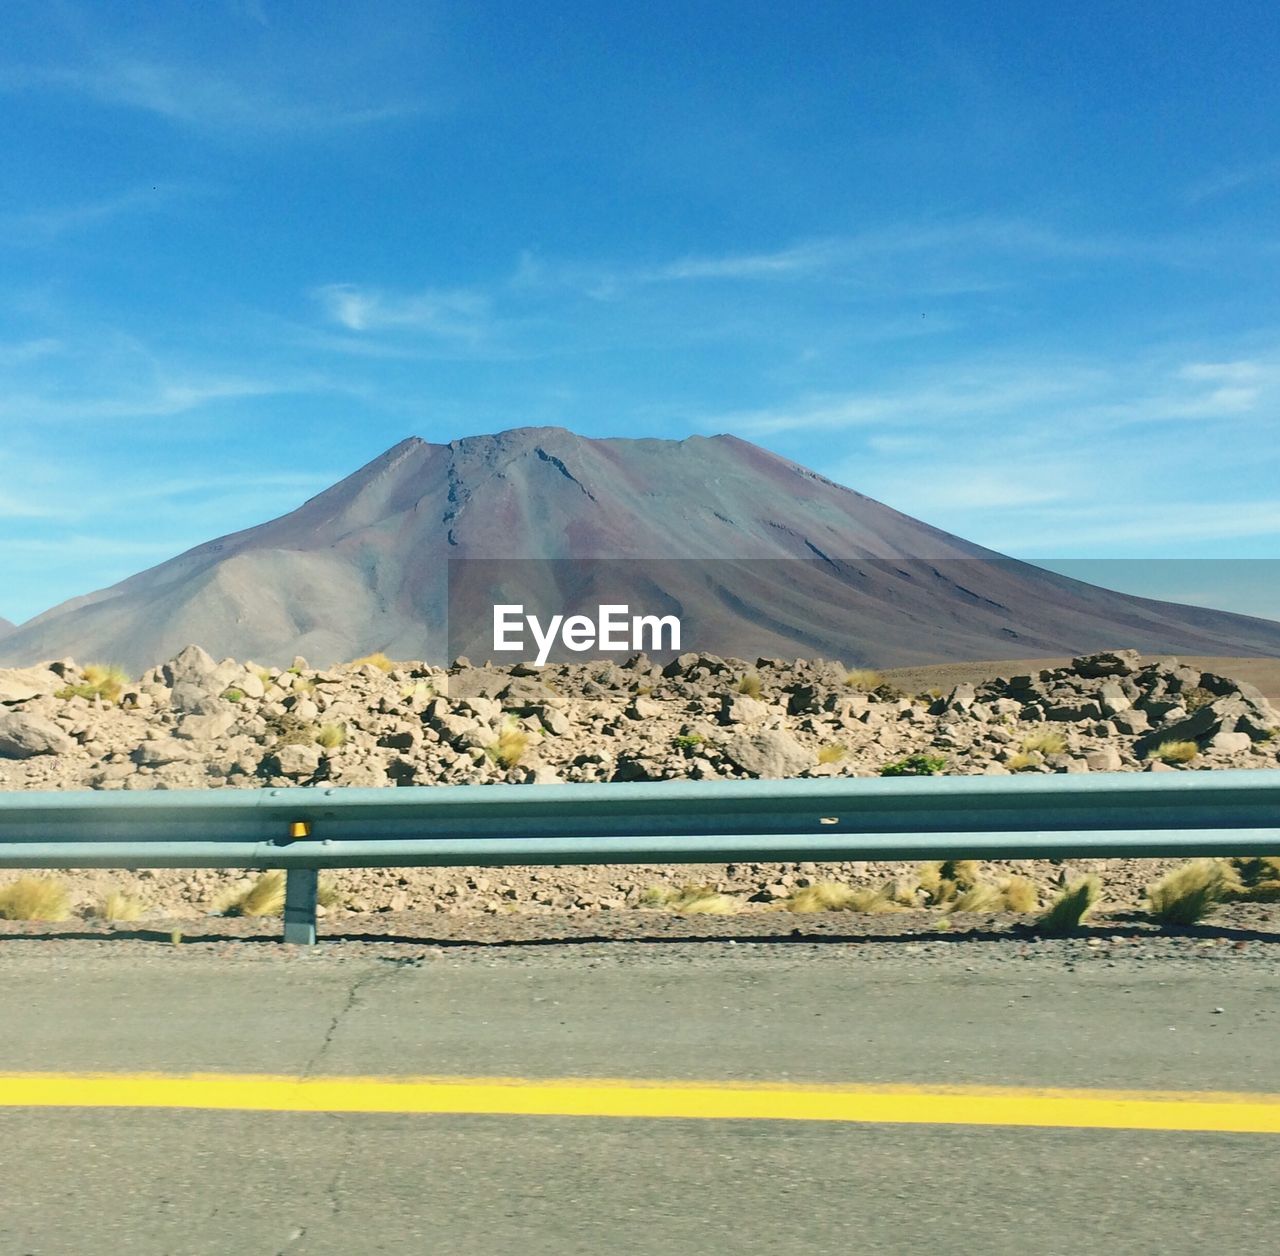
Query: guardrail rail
x=305, y=829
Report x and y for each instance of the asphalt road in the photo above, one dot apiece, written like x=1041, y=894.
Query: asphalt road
x=187, y=1182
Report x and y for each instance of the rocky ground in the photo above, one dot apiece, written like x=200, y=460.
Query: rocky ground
x=196, y=723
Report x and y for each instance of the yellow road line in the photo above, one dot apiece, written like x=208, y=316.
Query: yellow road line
x=514, y=1096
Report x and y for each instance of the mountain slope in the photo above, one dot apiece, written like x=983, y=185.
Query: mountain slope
x=803, y=566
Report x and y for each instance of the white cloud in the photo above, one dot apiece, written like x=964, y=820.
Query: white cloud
x=450, y=313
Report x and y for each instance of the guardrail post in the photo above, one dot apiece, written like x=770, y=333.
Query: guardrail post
x=300, y=905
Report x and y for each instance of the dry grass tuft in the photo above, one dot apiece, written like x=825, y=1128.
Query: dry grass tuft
x=981, y=897
x=946, y=879
x=1070, y=907
x=327, y=893
x=331, y=736
x=35, y=898
x=966, y=873
x=116, y=905
x=1046, y=742
x=1023, y=760
x=1175, y=751
x=657, y=896
x=864, y=678
x=510, y=747
x=832, y=752
x=708, y=905
x=832, y=896
x=265, y=897
x=1019, y=894
x=1187, y=894
x=377, y=659
x=750, y=685
x=101, y=680
x=691, y=900
x=1254, y=879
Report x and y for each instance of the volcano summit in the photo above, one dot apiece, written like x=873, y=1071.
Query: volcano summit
x=780, y=560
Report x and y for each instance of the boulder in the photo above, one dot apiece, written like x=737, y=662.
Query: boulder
x=1113, y=699
x=205, y=727
x=162, y=751
x=1131, y=722
x=295, y=760
x=23, y=736
x=195, y=698
x=1197, y=727
x=643, y=708
x=742, y=708
x=191, y=664
x=1074, y=712
x=17, y=684
x=1108, y=663
x=1105, y=759
x=770, y=754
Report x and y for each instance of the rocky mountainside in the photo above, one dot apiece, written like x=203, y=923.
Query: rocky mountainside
x=799, y=566
x=5, y=627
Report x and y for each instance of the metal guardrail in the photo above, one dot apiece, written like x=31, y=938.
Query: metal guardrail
x=1112, y=815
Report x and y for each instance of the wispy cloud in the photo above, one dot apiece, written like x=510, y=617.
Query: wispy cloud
x=953, y=256
x=186, y=95
x=50, y=222
x=20, y=352
x=1081, y=391
x=1175, y=520
x=1234, y=179
x=165, y=398
x=449, y=313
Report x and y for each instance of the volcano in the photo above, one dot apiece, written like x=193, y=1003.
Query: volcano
x=766, y=556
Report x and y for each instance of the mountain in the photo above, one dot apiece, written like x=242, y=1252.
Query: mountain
x=6, y=627
x=761, y=556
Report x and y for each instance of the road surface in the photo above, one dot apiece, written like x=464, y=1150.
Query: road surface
x=784, y=1019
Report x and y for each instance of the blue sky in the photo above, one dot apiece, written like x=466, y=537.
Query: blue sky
x=1010, y=267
